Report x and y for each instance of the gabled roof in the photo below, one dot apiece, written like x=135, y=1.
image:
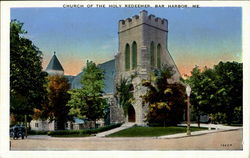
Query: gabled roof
x=109, y=77
x=54, y=64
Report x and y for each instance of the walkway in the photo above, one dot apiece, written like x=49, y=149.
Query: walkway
x=124, y=126
x=215, y=126
x=212, y=128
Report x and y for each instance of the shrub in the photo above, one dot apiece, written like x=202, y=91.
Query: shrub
x=32, y=132
x=83, y=132
x=66, y=132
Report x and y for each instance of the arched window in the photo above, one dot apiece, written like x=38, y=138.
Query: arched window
x=159, y=56
x=152, y=54
x=127, y=57
x=134, y=55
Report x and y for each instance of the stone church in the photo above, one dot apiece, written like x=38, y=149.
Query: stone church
x=142, y=49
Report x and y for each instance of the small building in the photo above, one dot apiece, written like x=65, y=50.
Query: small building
x=42, y=125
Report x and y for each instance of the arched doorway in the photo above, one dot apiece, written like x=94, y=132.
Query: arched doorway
x=131, y=114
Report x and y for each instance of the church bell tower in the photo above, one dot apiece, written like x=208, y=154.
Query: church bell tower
x=142, y=49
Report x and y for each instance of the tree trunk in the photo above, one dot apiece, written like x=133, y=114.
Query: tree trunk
x=199, y=121
x=60, y=125
x=25, y=122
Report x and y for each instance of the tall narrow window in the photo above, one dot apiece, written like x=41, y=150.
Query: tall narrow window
x=127, y=57
x=134, y=55
x=159, y=56
x=152, y=54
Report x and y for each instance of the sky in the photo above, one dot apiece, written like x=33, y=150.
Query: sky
x=197, y=36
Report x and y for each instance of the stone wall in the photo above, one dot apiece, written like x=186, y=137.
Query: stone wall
x=116, y=112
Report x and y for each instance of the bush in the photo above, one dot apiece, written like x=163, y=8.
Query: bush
x=237, y=115
x=106, y=128
x=219, y=118
x=32, y=132
x=67, y=132
x=83, y=132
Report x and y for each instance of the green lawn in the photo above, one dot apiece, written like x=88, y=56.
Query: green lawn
x=152, y=131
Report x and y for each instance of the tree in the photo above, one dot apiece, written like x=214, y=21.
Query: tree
x=124, y=94
x=166, y=100
x=88, y=102
x=202, y=96
x=229, y=80
x=58, y=97
x=27, y=80
x=218, y=92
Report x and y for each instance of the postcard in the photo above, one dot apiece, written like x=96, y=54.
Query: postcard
x=132, y=78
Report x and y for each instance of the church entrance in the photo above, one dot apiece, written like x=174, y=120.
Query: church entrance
x=131, y=114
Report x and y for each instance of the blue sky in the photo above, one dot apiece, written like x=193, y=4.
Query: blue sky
x=197, y=36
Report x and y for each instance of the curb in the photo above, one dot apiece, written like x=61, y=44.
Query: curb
x=197, y=133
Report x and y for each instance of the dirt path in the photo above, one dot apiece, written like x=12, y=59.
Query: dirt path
x=229, y=140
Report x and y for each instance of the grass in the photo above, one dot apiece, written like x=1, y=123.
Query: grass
x=152, y=131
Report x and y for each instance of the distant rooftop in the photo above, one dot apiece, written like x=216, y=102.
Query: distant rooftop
x=54, y=64
x=109, y=77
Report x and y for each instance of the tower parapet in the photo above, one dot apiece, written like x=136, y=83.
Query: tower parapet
x=143, y=18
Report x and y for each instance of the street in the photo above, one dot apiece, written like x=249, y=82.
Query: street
x=222, y=140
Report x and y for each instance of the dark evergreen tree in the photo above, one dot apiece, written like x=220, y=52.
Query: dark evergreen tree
x=27, y=80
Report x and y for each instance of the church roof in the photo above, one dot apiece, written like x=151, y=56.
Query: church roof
x=54, y=64
x=109, y=77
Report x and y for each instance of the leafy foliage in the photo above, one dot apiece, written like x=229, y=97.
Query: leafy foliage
x=83, y=132
x=58, y=97
x=87, y=102
x=218, y=92
x=124, y=94
x=27, y=80
x=229, y=80
x=166, y=100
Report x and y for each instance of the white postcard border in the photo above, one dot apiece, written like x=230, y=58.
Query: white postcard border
x=4, y=80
